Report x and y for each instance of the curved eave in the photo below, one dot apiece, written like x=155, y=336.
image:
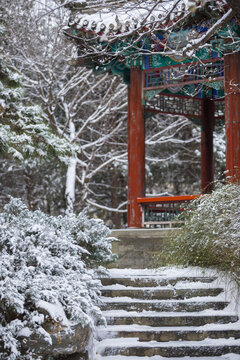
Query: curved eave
x=130, y=18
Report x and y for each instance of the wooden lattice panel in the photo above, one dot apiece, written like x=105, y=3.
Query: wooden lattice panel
x=182, y=105
x=181, y=75
x=176, y=105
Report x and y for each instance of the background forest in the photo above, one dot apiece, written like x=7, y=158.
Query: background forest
x=63, y=132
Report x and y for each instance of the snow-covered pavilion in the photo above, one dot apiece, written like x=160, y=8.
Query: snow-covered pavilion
x=175, y=60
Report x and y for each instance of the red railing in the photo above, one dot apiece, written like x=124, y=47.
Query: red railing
x=163, y=210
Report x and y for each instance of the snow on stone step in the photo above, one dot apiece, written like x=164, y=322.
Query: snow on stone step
x=148, y=281
x=161, y=305
x=180, y=285
x=122, y=299
x=145, y=313
x=130, y=342
x=159, y=320
x=229, y=356
x=164, y=272
x=159, y=293
x=169, y=314
x=161, y=335
x=159, y=282
x=133, y=347
x=136, y=327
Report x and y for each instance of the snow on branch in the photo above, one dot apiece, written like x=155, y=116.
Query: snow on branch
x=106, y=163
x=106, y=207
x=197, y=43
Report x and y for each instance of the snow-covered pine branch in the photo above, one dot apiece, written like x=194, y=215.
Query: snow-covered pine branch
x=45, y=274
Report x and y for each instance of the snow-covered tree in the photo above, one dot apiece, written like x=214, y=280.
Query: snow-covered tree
x=51, y=264
x=88, y=112
x=23, y=131
x=68, y=97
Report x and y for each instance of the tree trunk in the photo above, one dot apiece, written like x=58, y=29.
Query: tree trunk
x=70, y=185
x=71, y=177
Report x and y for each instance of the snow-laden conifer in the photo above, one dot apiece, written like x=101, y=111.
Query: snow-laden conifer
x=210, y=236
x=23, y=131
x=47, y=263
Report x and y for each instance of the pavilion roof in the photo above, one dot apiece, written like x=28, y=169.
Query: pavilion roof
x=114, y=36
x=123, y=17
x=110, y=31
x=109, y=18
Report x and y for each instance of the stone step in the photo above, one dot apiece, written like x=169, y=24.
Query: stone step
x=172, y=351
x=167, y=335
x=147, y=281
x=159, y=293
x=228, y=356
x=170, y=315
x=159, y=319
x=151, y=305
x=207, y=347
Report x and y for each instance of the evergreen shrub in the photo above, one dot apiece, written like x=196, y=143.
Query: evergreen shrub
x=210, y=236
x=49, y=262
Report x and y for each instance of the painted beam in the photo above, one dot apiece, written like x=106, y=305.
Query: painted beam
x=232, y=115
x=136, y=149
x=207, y=155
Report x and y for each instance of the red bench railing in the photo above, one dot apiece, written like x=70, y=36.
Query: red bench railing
x=164, y=209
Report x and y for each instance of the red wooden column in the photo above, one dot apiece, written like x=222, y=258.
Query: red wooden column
x=207, y=156
x=136, y=148
x=232, y=115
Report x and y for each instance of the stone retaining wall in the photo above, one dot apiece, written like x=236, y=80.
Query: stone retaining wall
x=137, y=247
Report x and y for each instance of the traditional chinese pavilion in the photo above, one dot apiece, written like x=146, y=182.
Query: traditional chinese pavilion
x=175, y=62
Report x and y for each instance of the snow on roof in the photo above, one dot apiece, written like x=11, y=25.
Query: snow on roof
x=126, y=17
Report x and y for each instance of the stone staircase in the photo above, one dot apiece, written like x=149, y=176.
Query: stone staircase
x=168, y=314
